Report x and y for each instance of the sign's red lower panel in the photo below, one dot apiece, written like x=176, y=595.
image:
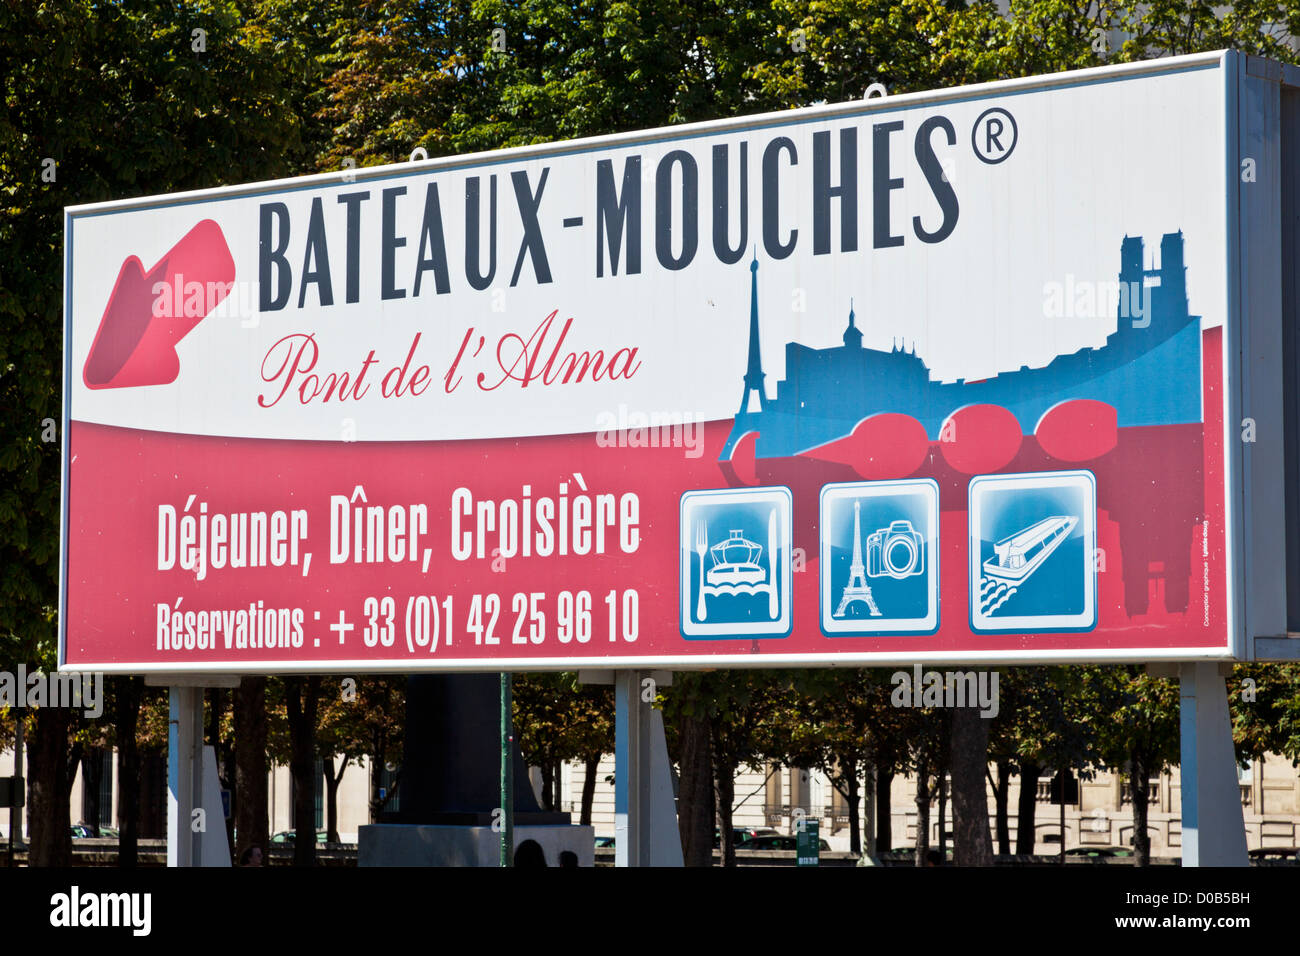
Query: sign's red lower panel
x=639, y=545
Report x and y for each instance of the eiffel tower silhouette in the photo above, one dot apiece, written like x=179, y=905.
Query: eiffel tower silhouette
x=754, y=371
x=857, y=589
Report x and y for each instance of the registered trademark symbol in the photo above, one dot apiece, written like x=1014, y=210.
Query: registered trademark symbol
x=994, y=135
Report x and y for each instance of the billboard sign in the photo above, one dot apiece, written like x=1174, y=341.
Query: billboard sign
x=941, y=376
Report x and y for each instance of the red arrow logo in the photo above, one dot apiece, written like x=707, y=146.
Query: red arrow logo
x=149, y=312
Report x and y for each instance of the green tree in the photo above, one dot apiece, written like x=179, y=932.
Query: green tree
x=721, y=711
x=689, y=732
x=834, y=50
x=293, y=715
x=309, y=39
x=1042, y=727
x=383, y=704
x=251, y=766
x=397, y=71
x=835, y=721
x=739, y=700
x=1265, y=705
x=1175, y=27
x=102, y=101
x=1135, y=719
x=341, y=737
x=558, y=719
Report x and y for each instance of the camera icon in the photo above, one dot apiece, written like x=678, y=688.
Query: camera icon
x=897, y=552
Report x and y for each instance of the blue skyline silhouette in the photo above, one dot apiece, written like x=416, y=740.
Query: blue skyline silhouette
x=1150, y=375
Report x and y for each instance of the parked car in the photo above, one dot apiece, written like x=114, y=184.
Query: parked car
x=290, y=836
x=1100, y=852
x=604, y=841
x=781, y=842
x=740, y=836
x=82, y=831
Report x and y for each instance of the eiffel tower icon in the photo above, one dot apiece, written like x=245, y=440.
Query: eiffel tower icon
x=857, y=588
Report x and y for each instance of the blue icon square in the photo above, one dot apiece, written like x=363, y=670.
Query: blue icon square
x=879, y=566
x=1033, y=541
x=735, y=563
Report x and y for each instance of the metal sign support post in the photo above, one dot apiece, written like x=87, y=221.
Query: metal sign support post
x=507, y=772
x=1214, y=832
x=631, y=763
x=196, y=832
x=645, y=815
x=184, y=775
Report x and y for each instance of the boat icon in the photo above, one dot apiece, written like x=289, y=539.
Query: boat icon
x=736, y=567
x=735, y=561
x=1017, y=556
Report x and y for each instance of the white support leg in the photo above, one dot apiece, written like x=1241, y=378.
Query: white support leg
x=631, y=765
x=184, y=775
x=645, y=816
x=1214, y=832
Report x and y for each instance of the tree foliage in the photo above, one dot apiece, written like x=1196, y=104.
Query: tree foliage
x=1265, y=706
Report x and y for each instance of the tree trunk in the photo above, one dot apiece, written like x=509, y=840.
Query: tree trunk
x=378, y=757
x=332, y=782
x=301, y=698
x=92, y=777
x=226, y=757
x=153, y=794
x=1138, y=774
x=1026, y=807
x=251, y=826
x=922, y=812
x=548, y=786
x=591, y=767
x=1001, y=790
x=130, y=693
x=726, y=803
x=970, y=801
x=884, y=834
x=695, y=792
x=374, y=767
x=332, y=799
x=214, y=709
x=51, y=823
x=855, y=822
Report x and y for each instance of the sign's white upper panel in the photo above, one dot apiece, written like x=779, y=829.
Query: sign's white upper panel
x=539, y=291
